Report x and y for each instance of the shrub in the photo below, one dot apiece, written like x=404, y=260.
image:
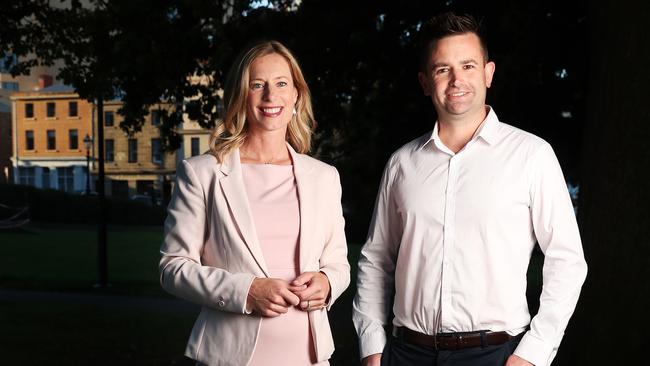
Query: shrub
x=56, y=206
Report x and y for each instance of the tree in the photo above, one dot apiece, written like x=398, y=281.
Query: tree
x=139, y=51
x=17, y=33
x=613, y=211
x=360, y=62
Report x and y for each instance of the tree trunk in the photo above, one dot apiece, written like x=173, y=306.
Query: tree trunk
x=102, y=245
x=611, y=321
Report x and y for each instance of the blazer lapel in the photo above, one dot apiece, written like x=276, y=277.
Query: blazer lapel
x=307, y=202
x=232, y=184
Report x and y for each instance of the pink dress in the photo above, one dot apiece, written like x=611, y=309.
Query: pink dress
x=273, y=199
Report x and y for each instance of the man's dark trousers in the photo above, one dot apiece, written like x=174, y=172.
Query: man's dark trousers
x=400, y=353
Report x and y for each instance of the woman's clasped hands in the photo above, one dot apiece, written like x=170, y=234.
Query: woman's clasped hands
x=271, y=297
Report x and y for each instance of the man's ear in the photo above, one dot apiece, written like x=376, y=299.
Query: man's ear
x=489, y=73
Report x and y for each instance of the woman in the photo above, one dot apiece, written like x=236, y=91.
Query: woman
x=254, y=231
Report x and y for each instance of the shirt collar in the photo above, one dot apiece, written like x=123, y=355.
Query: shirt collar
x=488, y=130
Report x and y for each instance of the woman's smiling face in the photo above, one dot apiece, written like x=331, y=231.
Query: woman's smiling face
x=271, y=94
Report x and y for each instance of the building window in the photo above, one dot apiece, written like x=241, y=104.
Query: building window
x=196, y=146
x=45, y=178
x=72, y=109
x=109, y=118
x=26, y=175
x=29, y=110
x=51, y=140
x=9, y=85
x=51, y=110
x=156, y=151
x=29, y=140
x=133, y=150
x=66, y=179
x=110, y=150
x=155, y=117
x=73, y=137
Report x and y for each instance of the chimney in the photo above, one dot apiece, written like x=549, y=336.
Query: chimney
x=44, y=81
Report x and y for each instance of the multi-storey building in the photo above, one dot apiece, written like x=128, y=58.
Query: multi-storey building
x=49, y=127
x=136, y=164
x=39, y=77
x=47, y=133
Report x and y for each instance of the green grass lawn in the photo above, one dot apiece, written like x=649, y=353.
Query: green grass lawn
x=64, y=258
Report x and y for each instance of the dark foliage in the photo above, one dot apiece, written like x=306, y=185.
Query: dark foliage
x=55, y=206
x=360, y=62
x=359, y=59
x=614, y=217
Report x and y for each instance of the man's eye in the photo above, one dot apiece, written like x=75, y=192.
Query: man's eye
x=467, y=67
x=442, y=70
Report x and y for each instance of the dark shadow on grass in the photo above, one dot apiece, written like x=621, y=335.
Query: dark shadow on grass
x=26, y=229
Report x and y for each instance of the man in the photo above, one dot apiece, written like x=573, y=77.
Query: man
x=458, y=213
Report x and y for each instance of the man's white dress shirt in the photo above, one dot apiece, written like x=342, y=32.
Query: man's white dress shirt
x=453, y=233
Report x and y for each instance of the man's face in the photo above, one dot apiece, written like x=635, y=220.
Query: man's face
x=457, y=77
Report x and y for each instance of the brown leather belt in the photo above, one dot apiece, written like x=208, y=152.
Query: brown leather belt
x=453, y=341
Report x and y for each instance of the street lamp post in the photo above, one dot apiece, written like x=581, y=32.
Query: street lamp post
x=102, y=248
x=88, y=143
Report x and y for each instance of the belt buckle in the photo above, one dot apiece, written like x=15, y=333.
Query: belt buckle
x=456, y=344
x=448, y=341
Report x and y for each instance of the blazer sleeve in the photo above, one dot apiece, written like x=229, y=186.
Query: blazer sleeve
x=334, y=259
x=181, y=271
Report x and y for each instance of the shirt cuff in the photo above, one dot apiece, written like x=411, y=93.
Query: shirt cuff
x=534, y=350
x=372, y=343
x=248, y=289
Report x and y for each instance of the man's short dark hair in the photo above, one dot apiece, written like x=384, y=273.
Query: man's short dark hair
x=445, y=25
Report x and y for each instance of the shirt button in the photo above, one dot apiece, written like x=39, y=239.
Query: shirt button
x=221, y=303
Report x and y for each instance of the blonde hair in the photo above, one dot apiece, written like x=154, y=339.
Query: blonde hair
x=232, y=131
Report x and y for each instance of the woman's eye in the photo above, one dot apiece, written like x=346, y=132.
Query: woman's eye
x=257, y=86
x=282, y=83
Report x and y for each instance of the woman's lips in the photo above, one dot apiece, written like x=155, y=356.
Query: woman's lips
x=271, y=111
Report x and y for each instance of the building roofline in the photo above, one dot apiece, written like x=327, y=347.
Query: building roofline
x=38, y=95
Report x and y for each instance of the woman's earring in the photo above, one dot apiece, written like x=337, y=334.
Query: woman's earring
x=295, y=111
